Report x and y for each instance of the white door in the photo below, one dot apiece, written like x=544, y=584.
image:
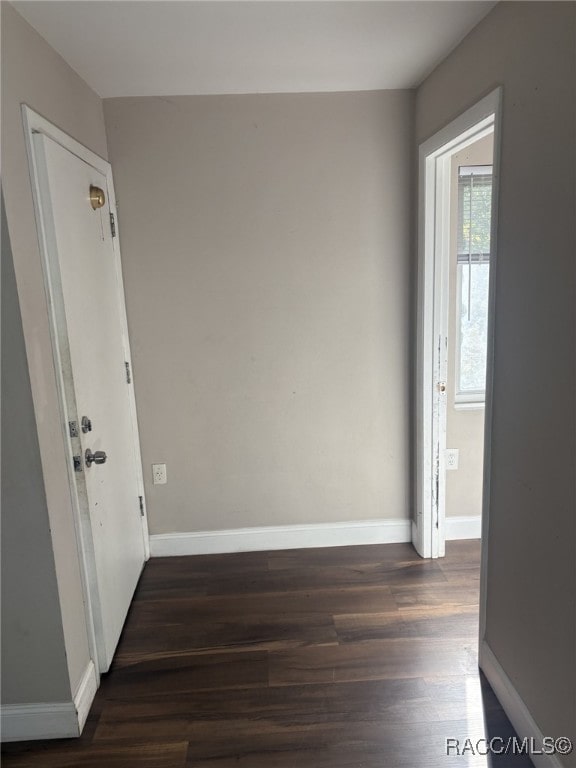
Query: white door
x=85, y=280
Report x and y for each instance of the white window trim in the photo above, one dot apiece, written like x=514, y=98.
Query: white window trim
x=474, y=406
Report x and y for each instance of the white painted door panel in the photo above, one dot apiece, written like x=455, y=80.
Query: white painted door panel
x=80, y=241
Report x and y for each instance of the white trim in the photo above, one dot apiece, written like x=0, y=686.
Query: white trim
x=432, y=321
x=515, y=708
x=476, y=406
x=281, y=537
x=449, y=137
x=53, y=720
x=464, y=527
x=28, y=722
x=475, y=399
x=85, y=694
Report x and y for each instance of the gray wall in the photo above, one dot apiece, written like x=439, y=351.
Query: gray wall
x=265, y=245
x=33, y=73
x=531, y=612
x=33, y=654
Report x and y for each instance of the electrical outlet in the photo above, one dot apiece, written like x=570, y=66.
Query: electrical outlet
x=159, y=474
x=452, y=456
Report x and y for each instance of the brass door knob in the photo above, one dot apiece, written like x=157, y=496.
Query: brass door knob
x=97, y=197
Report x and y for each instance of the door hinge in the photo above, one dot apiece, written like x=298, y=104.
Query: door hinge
x=141, y=499
x=112, y=224
x=128, y=373
x=73, y=428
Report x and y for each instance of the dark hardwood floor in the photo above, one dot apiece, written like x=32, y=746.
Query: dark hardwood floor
x=349, y=657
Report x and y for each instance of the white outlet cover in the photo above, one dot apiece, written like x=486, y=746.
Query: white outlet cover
x=452, y=456
x=159, y=474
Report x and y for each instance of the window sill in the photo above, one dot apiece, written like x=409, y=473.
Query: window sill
x=470, y=406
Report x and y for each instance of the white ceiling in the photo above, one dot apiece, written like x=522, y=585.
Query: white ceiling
x=165, y=48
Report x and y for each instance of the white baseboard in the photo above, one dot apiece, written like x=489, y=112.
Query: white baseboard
x=281, y=537
x=85, y=694
x=51, y=720
x=463, y=527
x=517, y=712
x=27, y=722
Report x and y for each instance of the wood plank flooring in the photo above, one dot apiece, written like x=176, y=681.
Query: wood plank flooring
x=348, y=657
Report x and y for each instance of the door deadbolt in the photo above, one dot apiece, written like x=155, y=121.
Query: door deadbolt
x=86, y=424
x=98, y=457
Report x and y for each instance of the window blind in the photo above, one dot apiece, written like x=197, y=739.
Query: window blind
x=474, y=213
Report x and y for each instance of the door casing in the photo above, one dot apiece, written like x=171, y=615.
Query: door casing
x=35, y=123
x=428, y=527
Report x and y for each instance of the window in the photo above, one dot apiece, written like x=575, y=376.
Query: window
x=473, y=266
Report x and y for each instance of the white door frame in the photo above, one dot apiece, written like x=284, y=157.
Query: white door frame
x=428, y=530
x=35, y=123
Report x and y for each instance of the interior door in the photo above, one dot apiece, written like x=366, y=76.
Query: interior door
x=84, y=277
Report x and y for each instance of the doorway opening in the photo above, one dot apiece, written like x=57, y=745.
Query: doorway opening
x=458, y=188
x=471, y=185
